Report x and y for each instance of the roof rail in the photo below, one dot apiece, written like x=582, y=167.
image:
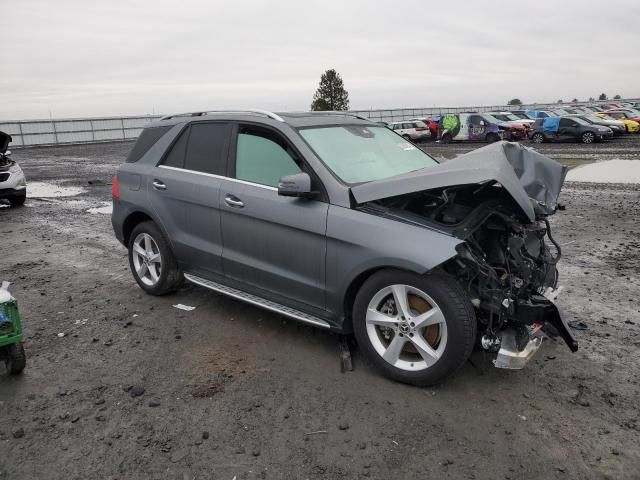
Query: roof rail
x=342, y=114
x=266, y=113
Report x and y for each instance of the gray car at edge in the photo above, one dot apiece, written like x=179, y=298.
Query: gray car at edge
x=338, y=222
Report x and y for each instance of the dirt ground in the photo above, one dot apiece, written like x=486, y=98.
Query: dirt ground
x=122, y=385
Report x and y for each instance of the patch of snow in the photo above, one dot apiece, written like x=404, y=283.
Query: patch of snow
x=51, y=190
x=107, y=207
x=610, y=171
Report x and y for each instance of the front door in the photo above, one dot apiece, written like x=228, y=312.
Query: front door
x=185, y=194
x=274, y=243
x=567, y=130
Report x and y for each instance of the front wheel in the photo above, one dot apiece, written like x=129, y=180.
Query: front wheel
x=18, y=200
x=415, y=329
x=151, y=260
x=447, y=138
x=588, y=137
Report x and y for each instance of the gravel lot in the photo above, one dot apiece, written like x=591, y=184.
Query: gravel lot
x=139, y=389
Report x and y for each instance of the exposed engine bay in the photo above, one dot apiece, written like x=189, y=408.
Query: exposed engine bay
x=507, y=262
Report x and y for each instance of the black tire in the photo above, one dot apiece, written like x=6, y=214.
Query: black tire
x=170, y=278
x=537, y=138
x=18, y=200
x=16, y=359
x=446, y=138
x=588, y=137
x=457, y=310
x=492, y=138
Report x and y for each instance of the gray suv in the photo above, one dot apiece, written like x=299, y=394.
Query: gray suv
x=338, y=222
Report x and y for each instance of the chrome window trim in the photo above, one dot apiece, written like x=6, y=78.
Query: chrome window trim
x=221, y=177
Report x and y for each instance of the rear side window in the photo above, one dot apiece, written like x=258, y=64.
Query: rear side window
x=206, y=148
x=146, y=140
x=263, y=159
x=176, y=155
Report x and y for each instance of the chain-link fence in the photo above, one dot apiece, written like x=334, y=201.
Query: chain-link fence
x=106, y=129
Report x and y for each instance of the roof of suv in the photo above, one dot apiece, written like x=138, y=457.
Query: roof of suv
x=294, y=119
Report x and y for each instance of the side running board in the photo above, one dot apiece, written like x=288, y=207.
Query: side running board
x=258, y=301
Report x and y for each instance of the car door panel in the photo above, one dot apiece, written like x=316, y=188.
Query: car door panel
x=271, y=242
x=274, y=243
x=186, y=199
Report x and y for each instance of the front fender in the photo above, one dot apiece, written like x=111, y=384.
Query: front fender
x=358, y=242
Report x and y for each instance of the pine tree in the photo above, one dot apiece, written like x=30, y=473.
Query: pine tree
x=331, y=94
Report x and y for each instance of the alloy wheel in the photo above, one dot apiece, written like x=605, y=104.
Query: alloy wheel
x=147, y=259
x=406, y=327
x=588, y=137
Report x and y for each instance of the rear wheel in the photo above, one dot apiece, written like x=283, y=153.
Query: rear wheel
x=15, y=359
x=492, y=138
x=588, y=137
x=151, y=260
x=18, y=200
x=537, y=138
x=446, y=138
x=415, y=329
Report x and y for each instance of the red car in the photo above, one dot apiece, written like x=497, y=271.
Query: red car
x=433, y=124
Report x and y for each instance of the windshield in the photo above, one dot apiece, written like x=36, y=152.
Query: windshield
x=491, y=118
x=580, y=121
x=359, y=153
x=522, y=115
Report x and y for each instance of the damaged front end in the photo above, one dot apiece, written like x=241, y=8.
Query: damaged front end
x=507, y=258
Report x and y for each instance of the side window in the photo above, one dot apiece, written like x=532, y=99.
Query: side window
x=206, y=149
x=262, y=158
x=475, y=120
x=175, y=158
x=566, y=122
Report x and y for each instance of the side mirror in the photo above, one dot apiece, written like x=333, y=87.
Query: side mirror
x=296, y=185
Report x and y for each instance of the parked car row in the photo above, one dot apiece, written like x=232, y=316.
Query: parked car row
x=587, y=124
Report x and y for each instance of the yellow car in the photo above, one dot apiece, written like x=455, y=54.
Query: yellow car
x=632, y=125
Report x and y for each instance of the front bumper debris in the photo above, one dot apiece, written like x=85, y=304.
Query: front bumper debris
x=509, y=357
x=543, y=312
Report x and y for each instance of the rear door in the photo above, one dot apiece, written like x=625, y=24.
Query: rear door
x=274, y=243
x=477, y=128
x=185, y=193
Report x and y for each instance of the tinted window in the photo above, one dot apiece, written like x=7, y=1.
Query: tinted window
x=206, y=148
x=475, y=120
x=262, y=158
x=146, y=140
x=566, y=122
x=175, y=158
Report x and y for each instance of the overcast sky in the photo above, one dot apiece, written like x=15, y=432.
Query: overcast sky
x=84, y=58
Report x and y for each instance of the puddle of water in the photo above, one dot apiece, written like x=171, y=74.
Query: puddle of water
x=51, y=190
x=609, y=171
x=106, y=208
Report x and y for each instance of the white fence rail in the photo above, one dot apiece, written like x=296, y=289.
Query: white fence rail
x=108, y=129
x=74, y=130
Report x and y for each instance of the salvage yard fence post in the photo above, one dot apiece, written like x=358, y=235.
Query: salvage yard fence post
x=67, y=131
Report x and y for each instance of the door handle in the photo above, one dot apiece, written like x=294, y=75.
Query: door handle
x=158, y=185
x=233, y=201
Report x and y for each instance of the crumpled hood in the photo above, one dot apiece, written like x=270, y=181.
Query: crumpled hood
x=533, y=180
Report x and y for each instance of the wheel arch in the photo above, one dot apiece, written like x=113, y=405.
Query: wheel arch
x=356, y=283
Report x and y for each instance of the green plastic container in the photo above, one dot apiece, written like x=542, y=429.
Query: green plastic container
x=11, y=348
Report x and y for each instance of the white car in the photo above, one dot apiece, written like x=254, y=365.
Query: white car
x=13, y=184
x=411, y=130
